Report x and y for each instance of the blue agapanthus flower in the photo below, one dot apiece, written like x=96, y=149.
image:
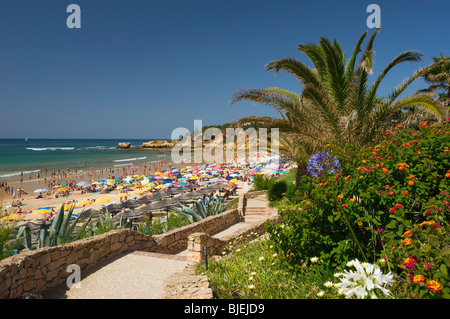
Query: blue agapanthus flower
x=321, y=163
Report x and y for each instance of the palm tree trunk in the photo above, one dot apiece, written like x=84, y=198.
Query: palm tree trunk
x=301, y=171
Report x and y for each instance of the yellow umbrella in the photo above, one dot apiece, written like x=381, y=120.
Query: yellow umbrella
x=234, y=180
x=138, y=191
x=102, y=200
x=62, y=189
x=160, y=186
x=146, y=189
x=123, y=195
x=84, y=203
x=194, y=177
x=41, y=212
x=13, y=217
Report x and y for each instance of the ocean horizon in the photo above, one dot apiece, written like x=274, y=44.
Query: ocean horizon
x=31, y=156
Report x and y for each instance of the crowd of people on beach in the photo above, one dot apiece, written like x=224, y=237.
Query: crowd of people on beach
x=51, y=178
x=70, y=181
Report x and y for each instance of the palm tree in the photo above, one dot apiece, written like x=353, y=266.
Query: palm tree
x=337, y=103
x=299, y=134
x=438, y=76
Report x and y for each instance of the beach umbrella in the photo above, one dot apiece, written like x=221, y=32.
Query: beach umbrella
x=102, y=200
x=41, y=190
x=194, y=177
x=150, y=207
x=136, y=192
x=13, y=217
x=81, y=183
x=122, y=195
x=168, y=202
x=117, y=180
x=87, y=213
x=145, y=200
x=84, y=203
x=41, y=212
x=67, y=206
x=113, y=208
x=87, y=185
x=130, y=204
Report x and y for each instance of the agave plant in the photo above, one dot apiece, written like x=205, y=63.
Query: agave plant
x=59, y=232
x=201, y=209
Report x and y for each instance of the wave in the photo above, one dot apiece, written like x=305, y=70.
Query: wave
x=120, y=165
x=50, y=148
x=18, y=173
x=131, y=159
x=96, y=147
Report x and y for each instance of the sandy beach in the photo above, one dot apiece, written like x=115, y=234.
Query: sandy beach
x=31, y=203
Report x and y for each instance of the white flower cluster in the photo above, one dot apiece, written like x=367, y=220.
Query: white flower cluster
x=363, y=282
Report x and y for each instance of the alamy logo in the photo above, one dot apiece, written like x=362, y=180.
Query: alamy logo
x=373, y=20
x=74, y=19
x=74, y=279
x=237, y=142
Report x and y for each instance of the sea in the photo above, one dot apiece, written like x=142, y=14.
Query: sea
x=31, y=156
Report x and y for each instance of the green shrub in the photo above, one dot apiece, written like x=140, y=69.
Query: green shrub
x=363, y=211
x=293, y=190
x=261, y=183
x=276, y=190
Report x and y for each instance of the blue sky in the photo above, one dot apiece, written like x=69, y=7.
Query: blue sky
x=140, y=69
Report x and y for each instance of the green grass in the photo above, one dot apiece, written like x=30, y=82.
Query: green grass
x=289, y=177
x=254, y=270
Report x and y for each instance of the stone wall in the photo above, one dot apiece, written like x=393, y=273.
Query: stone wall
x=33, y=271
x=197, y=242
x=254, y=194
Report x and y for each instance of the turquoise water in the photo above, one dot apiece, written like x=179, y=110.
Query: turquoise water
x=32, y=155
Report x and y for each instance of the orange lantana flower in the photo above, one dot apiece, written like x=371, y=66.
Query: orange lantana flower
x=408, y=233
x=418, y=278
x=434, y=286
x=407, y=241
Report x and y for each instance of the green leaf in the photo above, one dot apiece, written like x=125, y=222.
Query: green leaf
x=444, y=270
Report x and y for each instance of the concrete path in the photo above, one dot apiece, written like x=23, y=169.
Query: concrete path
x=141, y=275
